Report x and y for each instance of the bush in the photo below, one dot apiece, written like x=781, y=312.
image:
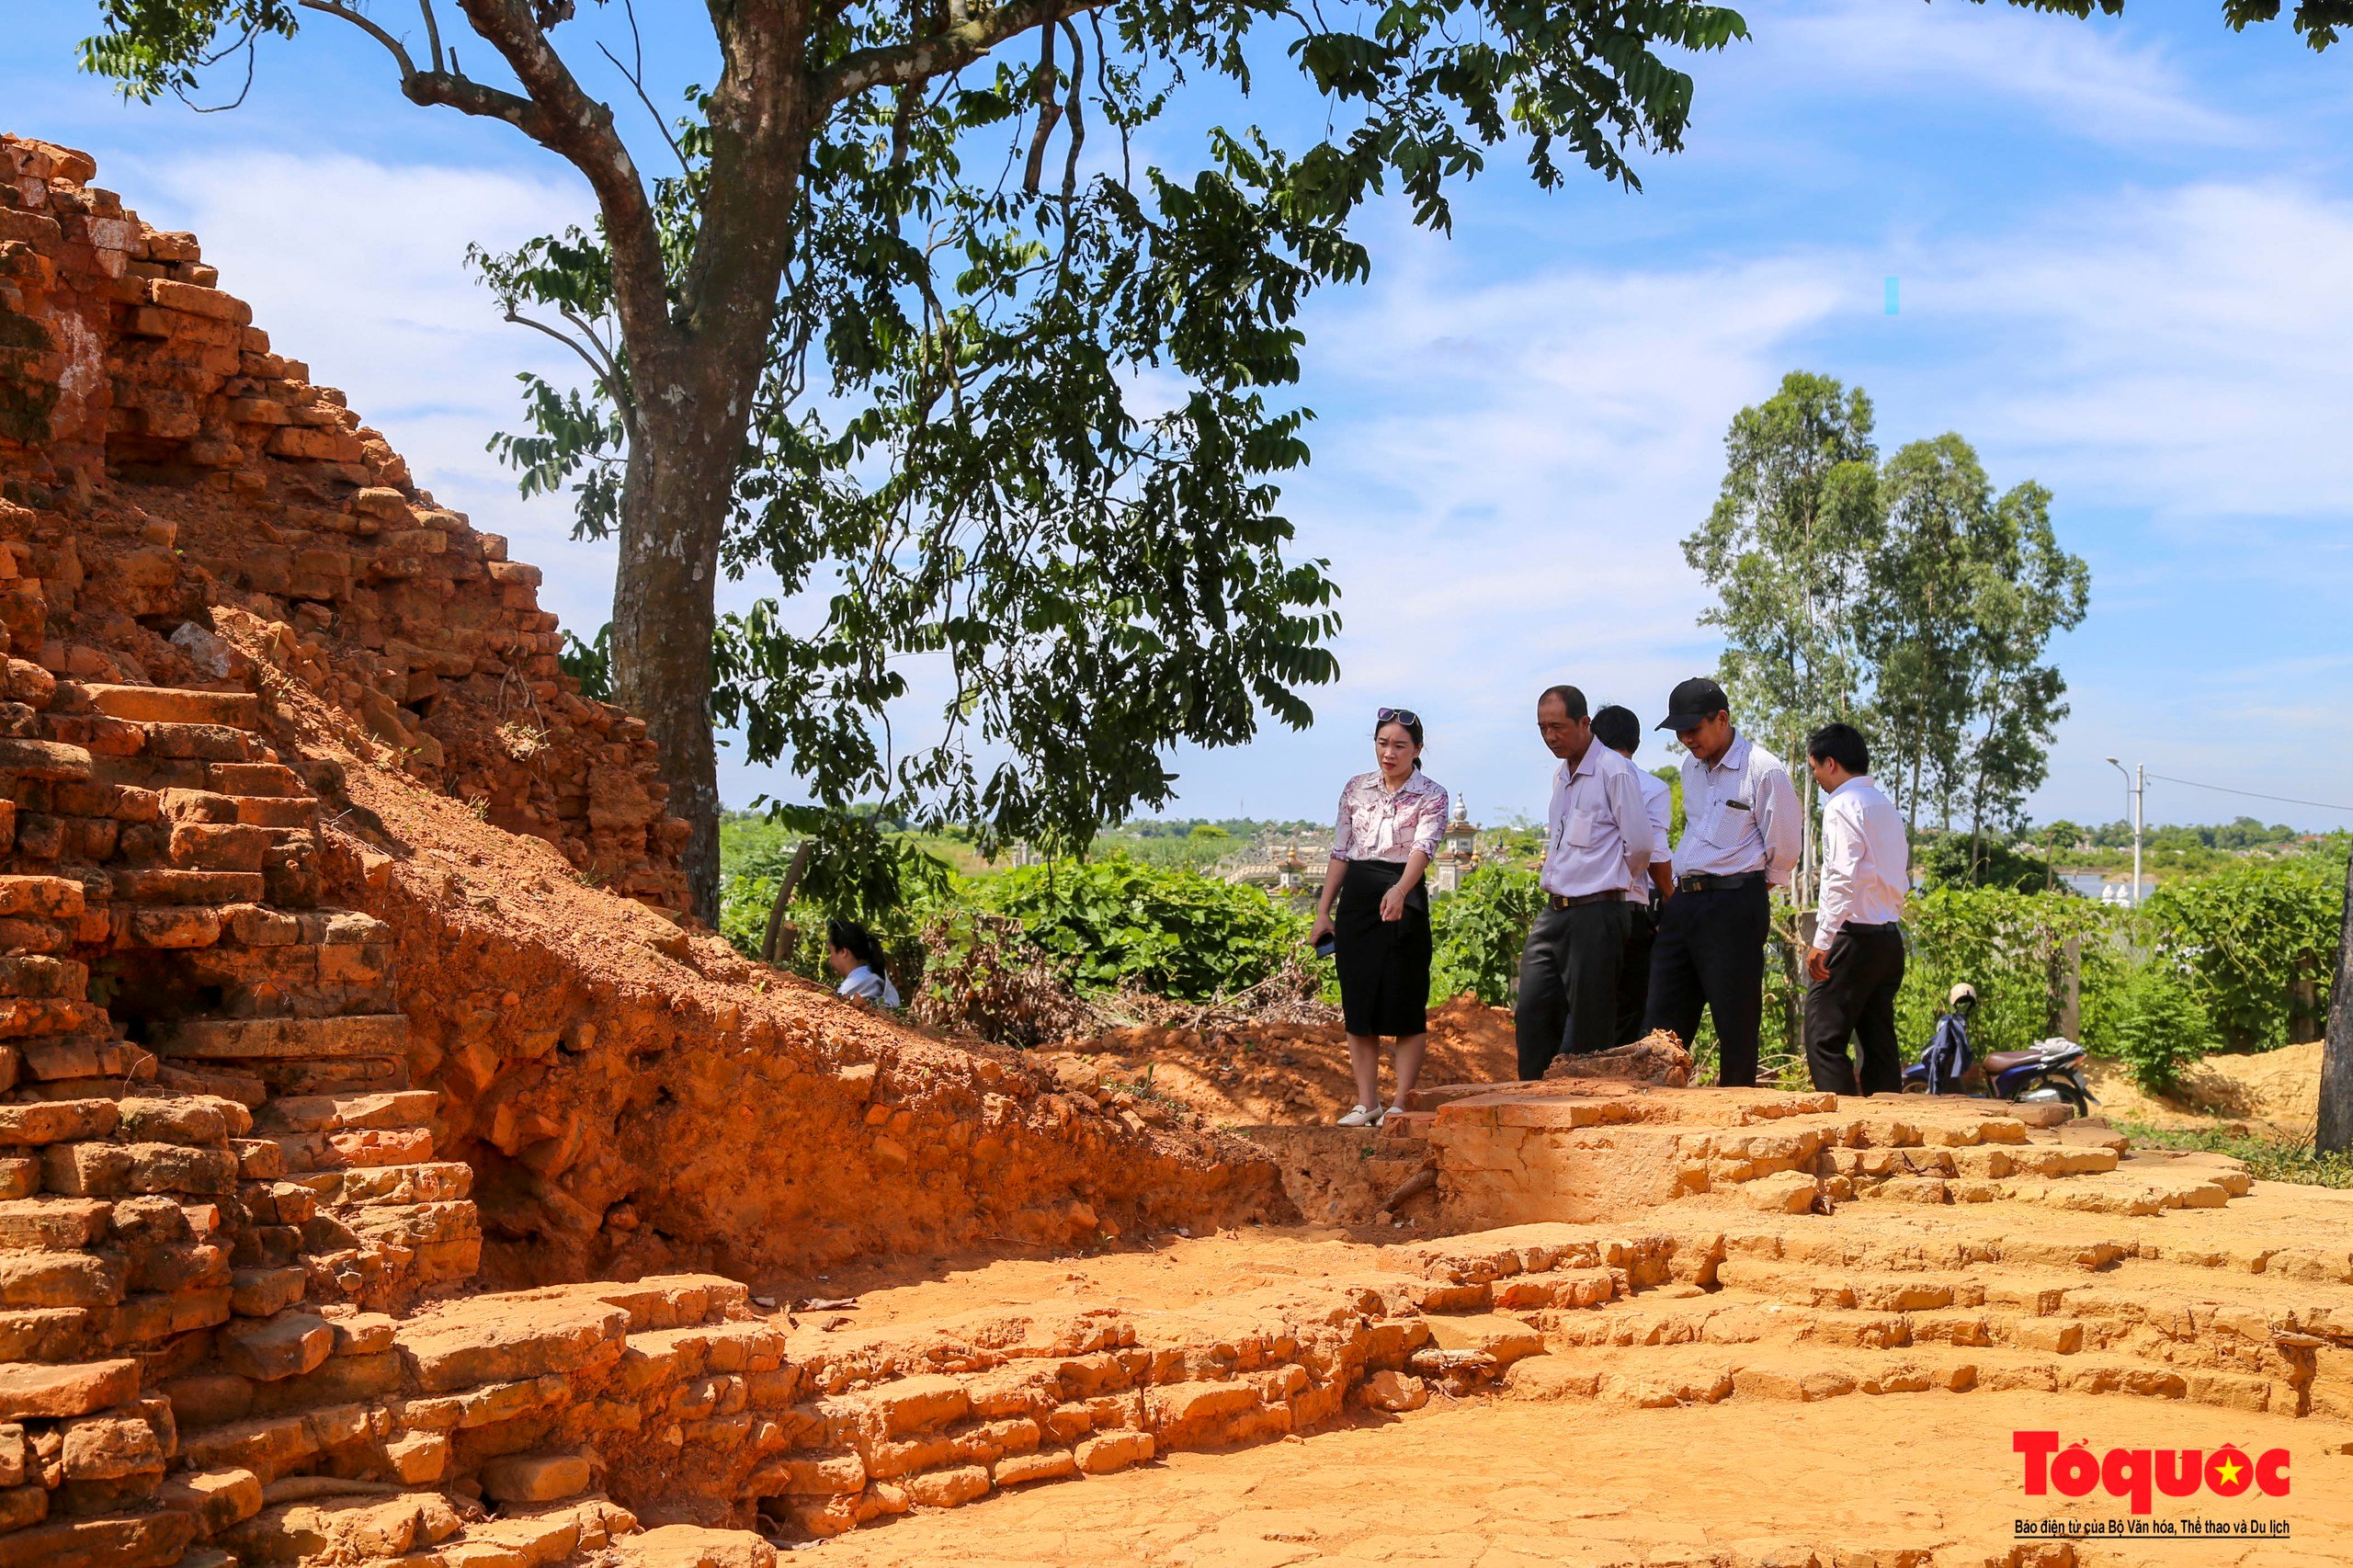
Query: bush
x=1478, y=930
x=1949, y=861
x=1174, y=932
x=2011, y=946
x=2244, y=936
x=2159, y=1027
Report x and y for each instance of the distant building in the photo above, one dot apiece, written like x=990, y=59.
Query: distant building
x=1458, y=851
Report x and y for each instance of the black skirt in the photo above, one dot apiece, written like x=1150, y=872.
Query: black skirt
x=1384, y=964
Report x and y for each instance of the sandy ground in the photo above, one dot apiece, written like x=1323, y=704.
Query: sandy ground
x=1508, y=1483
x=2276, y=1093
x=1289, y=1074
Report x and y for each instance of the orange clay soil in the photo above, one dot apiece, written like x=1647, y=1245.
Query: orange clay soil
x=1532, y=1483
x=1733, y=1394
x=1287, y=1072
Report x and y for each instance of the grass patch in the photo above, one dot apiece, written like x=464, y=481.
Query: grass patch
x=2267, y=1159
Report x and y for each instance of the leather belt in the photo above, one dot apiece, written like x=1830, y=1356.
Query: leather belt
x=1574, y=899
x=1874, y=928
x=1695, y=882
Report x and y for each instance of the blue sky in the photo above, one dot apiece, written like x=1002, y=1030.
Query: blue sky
x=2121, y=248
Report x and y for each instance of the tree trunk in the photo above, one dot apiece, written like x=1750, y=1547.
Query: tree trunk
x=674, y=505
x=772, y=944
x=2337, y=1057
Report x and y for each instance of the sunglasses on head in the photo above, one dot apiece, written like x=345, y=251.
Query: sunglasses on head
x=1405, y=716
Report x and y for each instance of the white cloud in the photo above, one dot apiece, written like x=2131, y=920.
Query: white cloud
x=1503, y=472
x=2181, y=350
x=2089, y=76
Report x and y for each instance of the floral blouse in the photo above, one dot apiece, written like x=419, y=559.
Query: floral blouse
x=1379, y=824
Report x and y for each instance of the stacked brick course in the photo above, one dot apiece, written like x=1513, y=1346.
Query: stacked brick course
x=159, y=463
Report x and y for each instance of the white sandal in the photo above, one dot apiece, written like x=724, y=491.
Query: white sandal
x=1361, y=1116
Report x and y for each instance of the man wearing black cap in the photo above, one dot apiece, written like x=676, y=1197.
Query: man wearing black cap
x=1617, y=729
x=1742, y=833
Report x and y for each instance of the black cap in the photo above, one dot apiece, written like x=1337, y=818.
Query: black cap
x=1691, y=702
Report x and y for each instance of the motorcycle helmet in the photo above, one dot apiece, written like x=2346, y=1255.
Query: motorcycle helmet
x=1961, y=998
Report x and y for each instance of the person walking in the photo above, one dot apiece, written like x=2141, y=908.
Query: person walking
x=1597, y=845
x=1617, y=729
x=1376, y=909
x=1741, y=831
x=1856, y=964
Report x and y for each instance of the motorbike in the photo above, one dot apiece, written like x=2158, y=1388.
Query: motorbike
x=2049, y=1072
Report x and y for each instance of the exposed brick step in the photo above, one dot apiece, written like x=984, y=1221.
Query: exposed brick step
x=45, y=761
x=153, y=769
x=246, y=925
x=438, y=1181
x=1703, y=1374
x=236, y=1039
x=351, y=1522
x=165, y=885
x=334, y=1113
x=175, y=705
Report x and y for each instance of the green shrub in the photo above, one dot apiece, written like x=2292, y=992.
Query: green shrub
x=1172, y=932
x=2011, y=946
x=1955, y=860
x=2159, y=1027
x=2245, y=935
x=1477, y=931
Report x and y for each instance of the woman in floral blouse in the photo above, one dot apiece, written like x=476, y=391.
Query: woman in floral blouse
x=1391, y=824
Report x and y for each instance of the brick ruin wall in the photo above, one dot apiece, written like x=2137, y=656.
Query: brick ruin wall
x=160, y=462
x=319, y=1012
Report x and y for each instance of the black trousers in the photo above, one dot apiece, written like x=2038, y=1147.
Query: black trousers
x=1568, y=982
x=1858, y=999
x=1711, y=953
x=1635, y=972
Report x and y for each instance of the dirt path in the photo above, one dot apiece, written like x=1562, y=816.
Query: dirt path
x=1513, y=1484
x=1285, y=1073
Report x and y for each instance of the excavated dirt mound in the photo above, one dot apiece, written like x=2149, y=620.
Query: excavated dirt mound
x=1284, y=1072
x=2276, y=1093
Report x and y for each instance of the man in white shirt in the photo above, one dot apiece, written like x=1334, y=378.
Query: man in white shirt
x=1597, y=844
x=1742, y=833
x=1856, y=964
x=1617, y=729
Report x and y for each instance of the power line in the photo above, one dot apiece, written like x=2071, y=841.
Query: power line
x=2251, y=794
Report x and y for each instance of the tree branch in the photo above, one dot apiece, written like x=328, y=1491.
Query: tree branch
x=337, y=8
x=920, y=59
x=635, y=75
x=559, y=115
x=601, y=367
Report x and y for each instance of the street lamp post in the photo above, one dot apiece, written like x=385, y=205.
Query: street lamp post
x=2136, y=785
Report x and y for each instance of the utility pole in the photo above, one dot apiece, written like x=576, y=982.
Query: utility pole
x=2136, y=786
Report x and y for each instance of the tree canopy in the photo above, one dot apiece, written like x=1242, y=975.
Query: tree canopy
x=1905, y=596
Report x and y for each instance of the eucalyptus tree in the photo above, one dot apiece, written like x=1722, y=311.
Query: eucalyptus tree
x=1916, y=625
x=1787, y=549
